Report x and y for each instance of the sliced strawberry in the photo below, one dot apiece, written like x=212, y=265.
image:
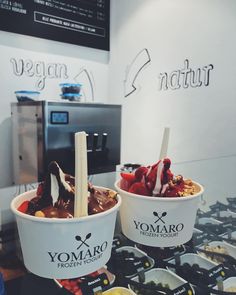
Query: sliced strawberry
x=167, y=163
x=139, y=188
x=140, y=172
x=172, y=193
x=150, y=185
x=23, y=207
x=130, y=177
x=152, y=175
x=125, y=185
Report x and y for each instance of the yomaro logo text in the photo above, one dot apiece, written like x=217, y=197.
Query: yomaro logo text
x=83, y=253
x=159, y=228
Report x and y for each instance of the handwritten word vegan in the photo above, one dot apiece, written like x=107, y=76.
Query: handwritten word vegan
x=39, y=69
x=185, y=77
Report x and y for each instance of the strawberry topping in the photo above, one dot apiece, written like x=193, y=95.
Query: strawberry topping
x=23, y=207
x=156, y=180
x=139, y=188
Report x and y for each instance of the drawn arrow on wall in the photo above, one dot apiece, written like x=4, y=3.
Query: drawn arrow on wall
x=86, y=79
x=141, y=60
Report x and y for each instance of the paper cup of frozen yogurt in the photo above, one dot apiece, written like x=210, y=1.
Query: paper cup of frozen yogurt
x=158, y=221
x=64, y=248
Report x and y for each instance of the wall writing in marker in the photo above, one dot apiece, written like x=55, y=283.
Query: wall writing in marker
x=39, y=69
x=185, y=77
x=43, y=71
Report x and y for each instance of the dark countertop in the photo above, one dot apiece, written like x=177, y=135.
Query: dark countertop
x=19, y=282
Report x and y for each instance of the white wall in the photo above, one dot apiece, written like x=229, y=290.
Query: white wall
x=81, y=63
x=33, y=56
x=163, y=34
x=202, y=119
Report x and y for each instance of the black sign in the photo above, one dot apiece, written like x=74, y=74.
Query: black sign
x=80, y=22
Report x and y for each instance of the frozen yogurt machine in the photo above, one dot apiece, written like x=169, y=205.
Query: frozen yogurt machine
x=44, y=131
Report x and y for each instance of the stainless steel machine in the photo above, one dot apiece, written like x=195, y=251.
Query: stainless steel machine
x=44, y=131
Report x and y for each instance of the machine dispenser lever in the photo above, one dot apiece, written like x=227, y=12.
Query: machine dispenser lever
x=87, y=140
x=95, y=141
x=104, y=141
x=56, y=124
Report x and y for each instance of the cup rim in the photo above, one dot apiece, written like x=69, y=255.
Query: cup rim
x=164, y=199
x=129, y=291
x=62, y=220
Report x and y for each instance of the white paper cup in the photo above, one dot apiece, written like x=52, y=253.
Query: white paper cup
x=65, y=248
x=158, y=222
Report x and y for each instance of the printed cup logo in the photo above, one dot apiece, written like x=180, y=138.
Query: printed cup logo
x=159, y=217
x=85, y=253
x=83, y=242
x=160, y=228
